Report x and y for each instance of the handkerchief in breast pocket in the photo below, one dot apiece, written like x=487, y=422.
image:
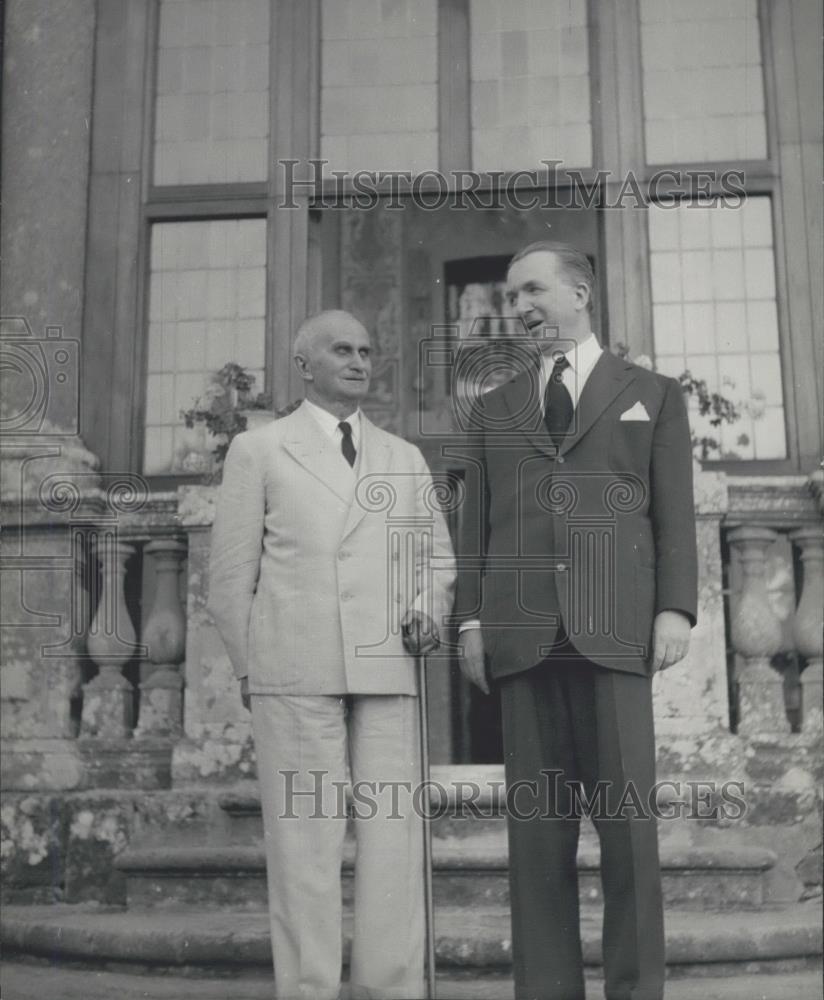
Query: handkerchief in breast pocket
x=637, y=412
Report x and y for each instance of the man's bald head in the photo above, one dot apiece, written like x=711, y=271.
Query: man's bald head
x=333, y=356
x=322, y=327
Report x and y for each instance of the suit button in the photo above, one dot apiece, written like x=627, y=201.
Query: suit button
x=561, y=567
x=346, y=596
x=343, y=554
x=561, y=459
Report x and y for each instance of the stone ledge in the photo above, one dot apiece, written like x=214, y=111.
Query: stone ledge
x=468, y=872
x=233, y=938
x=487, y=853
x=32, y=981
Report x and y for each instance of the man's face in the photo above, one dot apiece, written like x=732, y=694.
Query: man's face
x=340, y=364
x=543, y=296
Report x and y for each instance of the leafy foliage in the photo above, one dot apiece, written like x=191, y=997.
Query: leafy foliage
x=222, y=407
x=713, y=405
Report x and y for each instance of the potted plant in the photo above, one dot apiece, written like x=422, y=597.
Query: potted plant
x=230, y=406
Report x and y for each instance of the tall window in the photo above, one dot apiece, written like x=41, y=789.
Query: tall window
x=207, y=307
x=714, y=315
x=703, y=81
x=212, y=104
x=394, y=85
x=379, y=91
x=713, y=266
x=530, y=83
x=207, y=275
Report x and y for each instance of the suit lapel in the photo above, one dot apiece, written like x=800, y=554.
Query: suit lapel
x=523, y=399
x=374, y=468
x=610, y=376
x=314, y=450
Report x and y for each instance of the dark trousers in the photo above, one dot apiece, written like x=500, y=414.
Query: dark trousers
x=583, y=725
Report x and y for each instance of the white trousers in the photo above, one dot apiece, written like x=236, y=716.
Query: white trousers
x=302, y=745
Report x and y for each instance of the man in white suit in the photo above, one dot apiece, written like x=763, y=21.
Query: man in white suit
x=322, y=615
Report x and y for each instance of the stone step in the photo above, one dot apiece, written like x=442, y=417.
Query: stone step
x=30, y=981
x=779, y=939
x=468, y=872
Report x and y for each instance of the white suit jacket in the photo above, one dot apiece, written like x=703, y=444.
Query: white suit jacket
x=313, y=564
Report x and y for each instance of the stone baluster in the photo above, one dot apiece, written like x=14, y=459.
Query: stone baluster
x=108, y=698
x=756, y=637
x=164, y=636
x=808, y=624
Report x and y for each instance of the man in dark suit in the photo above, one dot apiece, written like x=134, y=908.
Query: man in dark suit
x=577, y=582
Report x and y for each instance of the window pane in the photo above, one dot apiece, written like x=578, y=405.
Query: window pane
x=207, y=306
x=379, y=85
x=703, y=81
x=529, y=71
x=714, y=314
x=212, y=103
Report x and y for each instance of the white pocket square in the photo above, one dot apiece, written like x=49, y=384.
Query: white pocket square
x=637, y=412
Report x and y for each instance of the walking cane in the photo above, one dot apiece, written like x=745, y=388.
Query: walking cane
x=429, y=908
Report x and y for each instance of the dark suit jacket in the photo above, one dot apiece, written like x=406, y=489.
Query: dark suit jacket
x=597, y=537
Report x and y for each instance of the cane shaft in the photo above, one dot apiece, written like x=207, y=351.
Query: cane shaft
x=429, y=908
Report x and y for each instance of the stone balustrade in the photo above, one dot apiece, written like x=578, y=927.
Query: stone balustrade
x=113, y=670
x=164, y=634
x=108, y=698
x=808, y=627
x=149, y=542
x=764, y=515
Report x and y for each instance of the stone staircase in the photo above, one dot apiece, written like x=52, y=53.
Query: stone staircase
x=192, y=903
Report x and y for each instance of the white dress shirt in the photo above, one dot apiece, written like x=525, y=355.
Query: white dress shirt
x=329, y=424
x=582, y=359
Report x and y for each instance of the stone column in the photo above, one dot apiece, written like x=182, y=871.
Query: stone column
x=756, y=637
x=808, y=624
x=164, y=636
x=108, y=698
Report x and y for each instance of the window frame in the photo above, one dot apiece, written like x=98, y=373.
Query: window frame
x=124, y=204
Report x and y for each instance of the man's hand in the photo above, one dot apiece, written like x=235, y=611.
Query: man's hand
x=472, y=662
x=670, y=639
x=420, y=633
x=244, y=694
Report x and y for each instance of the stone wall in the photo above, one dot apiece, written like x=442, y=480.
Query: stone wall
x=47, y=100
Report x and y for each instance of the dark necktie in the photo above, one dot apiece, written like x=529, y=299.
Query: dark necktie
x=346, y=444
x=558, y=406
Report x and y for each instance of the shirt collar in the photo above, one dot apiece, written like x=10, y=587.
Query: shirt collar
x=329, y=422
x=581, y=357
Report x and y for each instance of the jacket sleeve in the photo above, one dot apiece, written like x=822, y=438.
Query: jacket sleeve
x=473, y=523
x=237, y=542
x=672, y=508
x=435, y=566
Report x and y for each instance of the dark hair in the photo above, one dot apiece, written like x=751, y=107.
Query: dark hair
x=575, y=264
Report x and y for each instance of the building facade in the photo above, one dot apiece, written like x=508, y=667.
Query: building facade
x=186, y=180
